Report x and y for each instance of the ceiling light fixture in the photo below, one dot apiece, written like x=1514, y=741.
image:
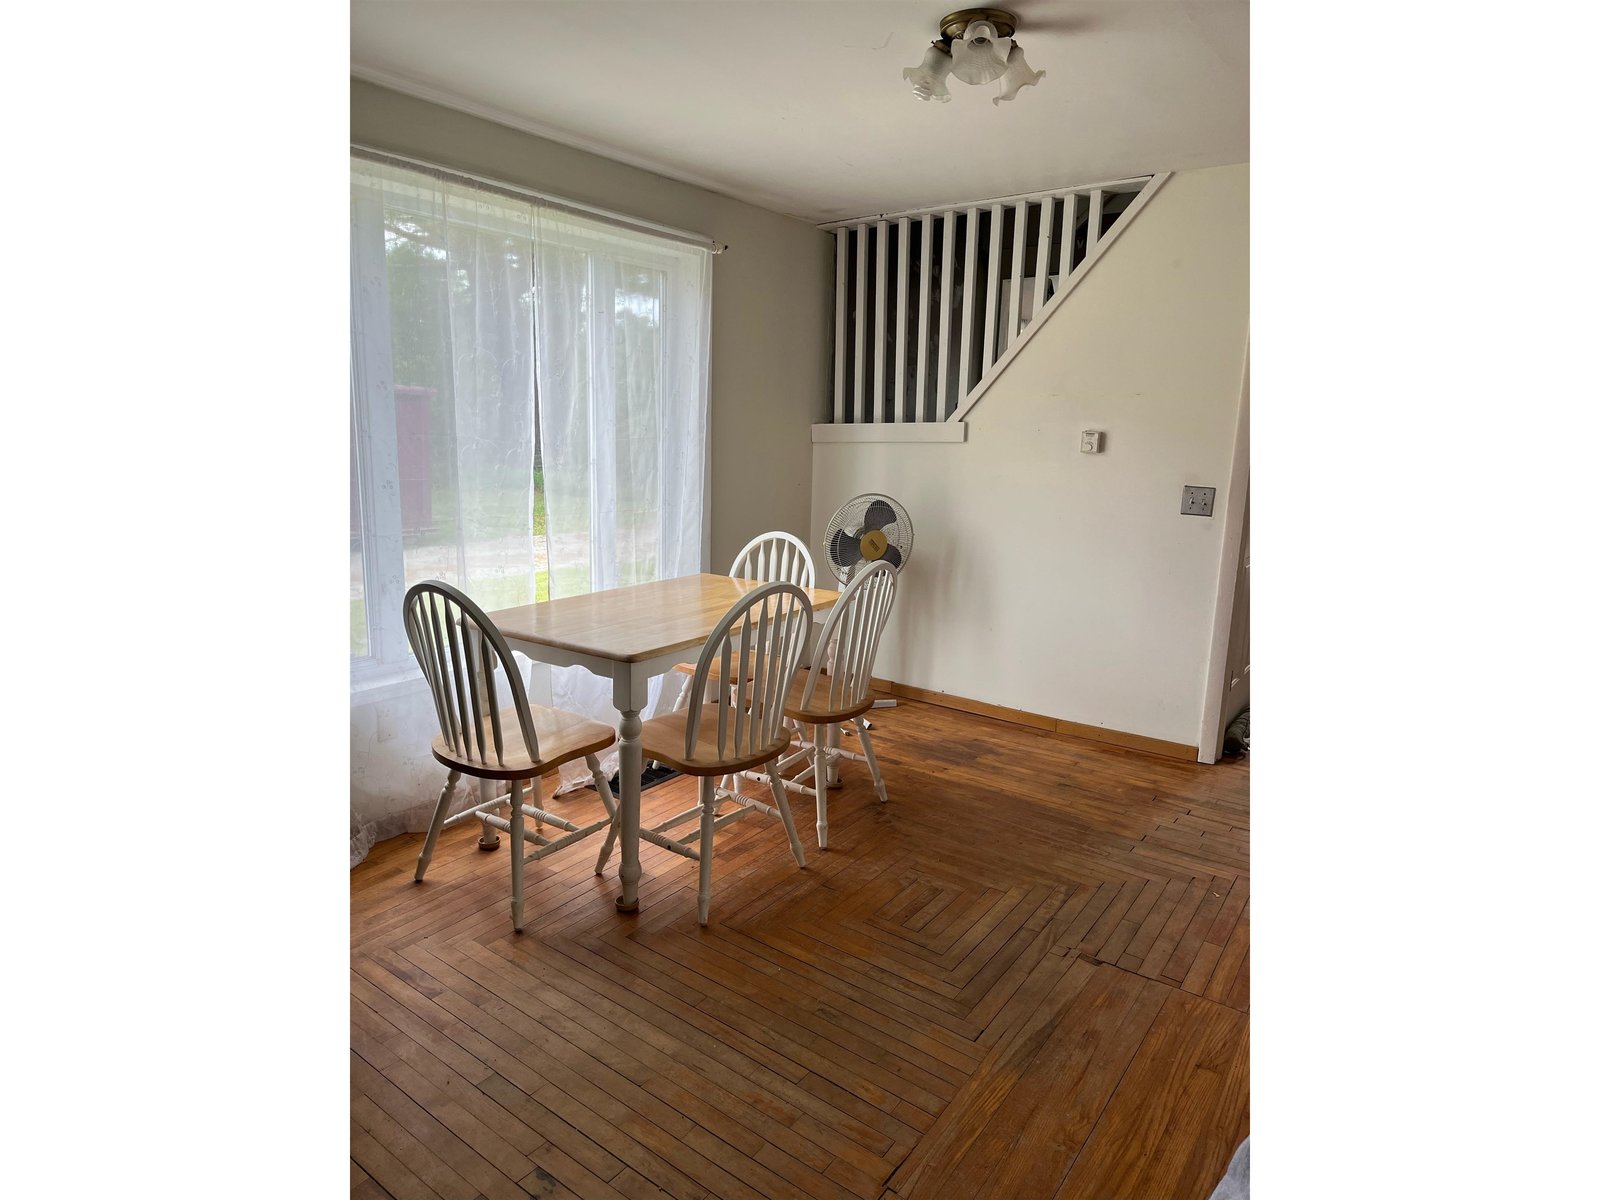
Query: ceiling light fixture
x=975, y=45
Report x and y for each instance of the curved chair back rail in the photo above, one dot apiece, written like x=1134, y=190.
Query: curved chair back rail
x=459, y=650
x=849, y=641
x=761, y=639
x=777, y=557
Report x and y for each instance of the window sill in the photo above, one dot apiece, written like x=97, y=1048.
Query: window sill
x=371, y=683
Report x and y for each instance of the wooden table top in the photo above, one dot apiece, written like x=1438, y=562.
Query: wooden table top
x=632, y=624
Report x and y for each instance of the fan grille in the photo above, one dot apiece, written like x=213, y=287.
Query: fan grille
x=865, y=529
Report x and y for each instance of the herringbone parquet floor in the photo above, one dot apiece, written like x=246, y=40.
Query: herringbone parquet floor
x=1025, y=976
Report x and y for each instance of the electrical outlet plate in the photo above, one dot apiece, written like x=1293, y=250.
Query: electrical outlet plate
x=1197, y=501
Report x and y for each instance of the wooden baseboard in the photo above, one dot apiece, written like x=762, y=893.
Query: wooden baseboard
x=1017, y=716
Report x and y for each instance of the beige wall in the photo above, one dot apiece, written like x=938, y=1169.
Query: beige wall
x=772, y=296
x=1063, y=583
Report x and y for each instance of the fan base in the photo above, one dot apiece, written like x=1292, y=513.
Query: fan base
x=954, y=25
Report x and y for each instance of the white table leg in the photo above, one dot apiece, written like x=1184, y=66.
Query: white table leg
x=630, y=690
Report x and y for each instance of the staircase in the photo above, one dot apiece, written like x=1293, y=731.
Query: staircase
x=930, y=306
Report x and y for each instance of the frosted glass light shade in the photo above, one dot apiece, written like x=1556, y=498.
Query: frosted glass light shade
x=978, y=56
x=927, y=80
x=1017, y=76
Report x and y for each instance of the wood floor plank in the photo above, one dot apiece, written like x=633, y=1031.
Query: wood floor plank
x=1173, y=1116
x=963, y=1123
x=431, y=1127
x=1033, y=1137
x=1057, y=1008
x=1193, y=938
x=394, y=1177
x=740, y=1126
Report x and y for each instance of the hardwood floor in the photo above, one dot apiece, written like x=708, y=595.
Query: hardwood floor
x=1027, y=975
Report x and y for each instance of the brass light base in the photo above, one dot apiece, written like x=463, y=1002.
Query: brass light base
x=954, y=25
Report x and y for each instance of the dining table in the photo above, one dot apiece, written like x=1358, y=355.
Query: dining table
x=629, y=635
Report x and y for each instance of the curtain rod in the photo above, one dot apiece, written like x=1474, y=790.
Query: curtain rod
x=499, y=185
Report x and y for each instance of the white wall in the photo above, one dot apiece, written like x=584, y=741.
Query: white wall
x=771, y=367
x=1064, y=583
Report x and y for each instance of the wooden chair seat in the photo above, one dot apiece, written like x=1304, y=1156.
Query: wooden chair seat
x=563, y=736
x=714, y=671
x=663, y=738
x=818, y=713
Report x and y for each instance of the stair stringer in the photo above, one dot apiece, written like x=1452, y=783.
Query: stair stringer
x=1071, y=282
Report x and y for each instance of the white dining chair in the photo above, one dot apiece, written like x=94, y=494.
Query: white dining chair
x=460, y=651
x=774, y=557
x=725, y=730
x=839, y=687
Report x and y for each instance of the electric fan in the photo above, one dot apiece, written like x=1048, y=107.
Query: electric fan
x=864, y=530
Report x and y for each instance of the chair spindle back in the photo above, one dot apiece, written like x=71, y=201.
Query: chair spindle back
x=775, y=557
x=849, y=640
x=761, y=640
x=459, y=650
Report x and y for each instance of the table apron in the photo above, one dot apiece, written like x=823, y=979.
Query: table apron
x=649, y=668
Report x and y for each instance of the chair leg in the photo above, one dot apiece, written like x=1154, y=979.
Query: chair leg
x=678, y=705
x=819, y=779
x=488, y=836
x=437, y=824
x=780, y=796
x=605, y=849
x=516, y=852
x=604, y=788
x=708, y=816
x=872, y=761
x=532, y=787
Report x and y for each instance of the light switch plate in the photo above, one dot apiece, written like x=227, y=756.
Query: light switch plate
x=1197, y=501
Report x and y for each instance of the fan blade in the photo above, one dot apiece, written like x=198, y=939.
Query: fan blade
x=892, y=555
x=1036, y=23
x=878, y=515
x=845, y=549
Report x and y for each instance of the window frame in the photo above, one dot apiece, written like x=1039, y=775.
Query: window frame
x=389, y=661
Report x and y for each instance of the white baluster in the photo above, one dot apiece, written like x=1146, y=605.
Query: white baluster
x=969, y=283
x=919, y=389
x=902, y=267
x=1019, y=260
x=841, y=265
x=991, y=328
x=858, y=397
x=947, y=288
x=880, y=303
x=1041, y=271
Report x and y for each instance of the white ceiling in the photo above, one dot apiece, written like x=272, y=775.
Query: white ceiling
x=800, y=107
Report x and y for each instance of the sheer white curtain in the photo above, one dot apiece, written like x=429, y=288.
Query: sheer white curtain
x=613, y=387
x=528, y=397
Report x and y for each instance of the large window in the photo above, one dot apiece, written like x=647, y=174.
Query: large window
x=527, y=400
